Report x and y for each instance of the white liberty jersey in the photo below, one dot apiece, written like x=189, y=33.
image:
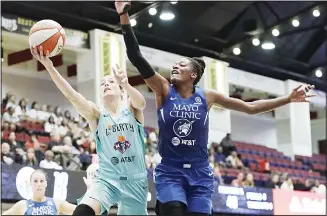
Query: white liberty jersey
x=120, y=144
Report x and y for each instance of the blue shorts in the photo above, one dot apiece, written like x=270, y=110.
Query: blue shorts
x=194, y=186
x=130, y=195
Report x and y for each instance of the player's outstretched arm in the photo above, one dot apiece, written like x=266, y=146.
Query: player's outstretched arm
x=158, y=84
x=17, y=209
x=259, y=106
x=86, y=108
x=65, y=207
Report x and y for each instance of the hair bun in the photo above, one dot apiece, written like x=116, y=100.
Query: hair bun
x=200, y=62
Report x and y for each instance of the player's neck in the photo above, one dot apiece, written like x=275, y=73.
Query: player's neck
x=39, y=198
x=185, y=90
x=113, y=105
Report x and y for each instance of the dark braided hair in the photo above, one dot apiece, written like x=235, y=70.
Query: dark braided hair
x=198, y=66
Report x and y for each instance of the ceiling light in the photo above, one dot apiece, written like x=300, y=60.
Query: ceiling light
x=173, y=2
x=256, y=42
x=133, y=22
x=316, y=13
x=318, y=73
x=295, y=23
x=167, y=15
x=150, y=25
x=196, y=40
x=268, y=46
x=152, y=11
x=275, y=32
x=236, y=51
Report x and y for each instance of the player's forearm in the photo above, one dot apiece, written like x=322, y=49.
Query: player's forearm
x=62, y=84
x=133, y=49
x=135, y=96
x=262, y=106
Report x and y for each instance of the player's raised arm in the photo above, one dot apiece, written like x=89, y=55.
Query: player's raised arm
x=16, y=209
x=158, y=84
x=259, y=106
x=86, y=108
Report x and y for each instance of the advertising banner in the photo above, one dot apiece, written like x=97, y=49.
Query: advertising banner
x=62, y=184
x=298, y=203
x=21, y=25
x=248, y=201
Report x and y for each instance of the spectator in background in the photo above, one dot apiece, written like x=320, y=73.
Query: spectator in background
x=85, y=158
x=19, y=156
x=5, y=126
x=13, y=143
x=156, y=159
x=11, y=102
x=33, y=143
x=50, y=125
x=55, y=144
x=6, y=156
x=43, y=114
x=249, y=181
x=264, y=166
x=30, y=158
x=63, y=128
x=21, y=109
x=153, y=140
x=238, y=182
x=32, y=113
x=282, y=178
x=70, y=155
x=217, y=175
x=303, y=187
x=9, y=116
x=67, y=115
x=273, y=181
x=287, y=184
x=57, y=114
x=234, y=161
x=220, y=158
x=227, y=145
x=48, y=162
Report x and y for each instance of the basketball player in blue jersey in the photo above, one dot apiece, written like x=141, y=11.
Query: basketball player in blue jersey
x=117, y=126
x=184, y=180
x=39, y=204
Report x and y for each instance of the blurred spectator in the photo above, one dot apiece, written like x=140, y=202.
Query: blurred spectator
x=30, y=158
x=85, y=158
x=238, y=182
x=283, y=177
x=33, y=143
x=48, y=162
x=70, y=155
x=5, y=126
x=55, y=144
x=217, y=175
x=287, y=184
x=303, y=187
x=63, y=128
x=249, y=181
x=153, y=140
x=234, y=161
x=219, y=156
x=6, y=156
x=67, y=115
x=227, y=145
x=43, y=114
x=13, y=143
x=50, y=125
x=11, y=102
x=156, y=159
x=264, y=166
x=58, y=115
x=21, y=109
x=32, y=113
x=12, y=127
x=273, y=181
x=19, y=156
x=9, y=116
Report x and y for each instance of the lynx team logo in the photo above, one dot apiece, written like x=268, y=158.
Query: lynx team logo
x=183, y=127
x=122, y=145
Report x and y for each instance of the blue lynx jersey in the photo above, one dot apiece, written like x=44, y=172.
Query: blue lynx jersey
x=183, y=125
x=120, y=144
x=48, y=207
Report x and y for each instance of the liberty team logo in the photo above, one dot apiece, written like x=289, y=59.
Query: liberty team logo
x=182, y=127
x=122, y=145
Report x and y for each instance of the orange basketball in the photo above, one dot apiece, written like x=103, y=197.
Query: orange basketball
x=49, y=34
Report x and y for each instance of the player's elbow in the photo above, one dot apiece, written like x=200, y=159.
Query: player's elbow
x=250, y=109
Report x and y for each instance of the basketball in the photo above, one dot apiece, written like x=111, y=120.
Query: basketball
x=49, y=34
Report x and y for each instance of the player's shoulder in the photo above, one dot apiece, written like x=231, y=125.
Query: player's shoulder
x=21, y=207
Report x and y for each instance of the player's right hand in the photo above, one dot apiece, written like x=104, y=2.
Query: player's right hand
x=44, y=59
x=120, y=5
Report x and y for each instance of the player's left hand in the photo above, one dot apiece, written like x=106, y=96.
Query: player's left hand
x=120, y=76
x=298, y=95
x=88, y=182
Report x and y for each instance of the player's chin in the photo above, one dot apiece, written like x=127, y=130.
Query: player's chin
x=173, y=80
